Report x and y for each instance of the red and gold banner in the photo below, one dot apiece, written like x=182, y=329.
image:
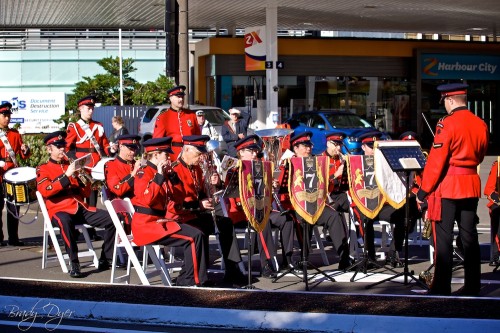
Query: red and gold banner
x=255, y=183
x=308, y=186
x=362, y=185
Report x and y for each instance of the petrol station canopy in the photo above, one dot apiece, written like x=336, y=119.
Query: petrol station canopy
x=454, y=17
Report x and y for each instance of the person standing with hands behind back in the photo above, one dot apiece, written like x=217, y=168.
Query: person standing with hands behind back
x=233, y=130
x=451, y=173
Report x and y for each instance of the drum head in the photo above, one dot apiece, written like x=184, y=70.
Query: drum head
x=21, y=174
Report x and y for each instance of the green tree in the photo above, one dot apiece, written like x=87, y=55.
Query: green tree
x=152, y=93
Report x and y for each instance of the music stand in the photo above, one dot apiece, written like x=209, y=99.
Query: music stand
x=403, y=156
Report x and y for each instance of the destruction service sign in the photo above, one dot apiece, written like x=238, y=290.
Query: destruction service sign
x=35, y=111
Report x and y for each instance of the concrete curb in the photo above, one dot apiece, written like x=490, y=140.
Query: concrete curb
x=19, y=308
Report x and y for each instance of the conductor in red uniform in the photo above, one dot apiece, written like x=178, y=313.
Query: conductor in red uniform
x=11, y=145
x=63, y=193
x=459, y=147
x=119, y=173
x=176, y=121
x=149, y=224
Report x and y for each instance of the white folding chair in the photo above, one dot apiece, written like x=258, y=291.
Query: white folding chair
x=122, y=240
x=50, y=231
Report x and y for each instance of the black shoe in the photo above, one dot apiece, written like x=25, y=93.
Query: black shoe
x=16, y=243
x=104, y=264
x=494, y=262
x=3, y=243
x=207, y=284
x=345, y=263
x=291, y=268
x=268, y=272
x=236, y=278
x=75, y=270
x=393, y=259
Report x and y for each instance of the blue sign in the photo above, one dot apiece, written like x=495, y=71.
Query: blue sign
x=460, y=66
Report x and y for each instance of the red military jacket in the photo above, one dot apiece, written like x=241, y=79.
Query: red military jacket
x=491, y=187
x=16, y=142
x=233, y=205
x=61, y=193
x=78, y=140
x=459, y=147
x=176, y=124
x=150, y=203
x=336, y=184
x=118, y=178
x=186, y=190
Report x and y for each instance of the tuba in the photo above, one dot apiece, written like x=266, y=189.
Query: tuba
x=273, y=151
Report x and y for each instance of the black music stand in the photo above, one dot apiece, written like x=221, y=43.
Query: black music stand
x=406, y=157
x=305, y=263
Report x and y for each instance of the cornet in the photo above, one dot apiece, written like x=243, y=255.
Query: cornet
x=84, y=177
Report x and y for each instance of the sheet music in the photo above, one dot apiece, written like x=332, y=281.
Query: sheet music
x=82, y=161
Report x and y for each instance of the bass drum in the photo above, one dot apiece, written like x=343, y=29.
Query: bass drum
x=98, y=170
x=20, y=186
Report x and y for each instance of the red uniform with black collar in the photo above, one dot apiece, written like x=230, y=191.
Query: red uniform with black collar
x=150, y=195
x=61, y=193
x=118, y=178
x=16, y=142
x=452, y=164
x=186, y=192
x=78, y=141
x=176, y=124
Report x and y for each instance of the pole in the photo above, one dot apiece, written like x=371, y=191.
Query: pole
x=121, y=65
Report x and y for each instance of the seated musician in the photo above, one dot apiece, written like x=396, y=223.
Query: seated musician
x=248, y=149
x=64, y=193
x=149, y=223
x=385, y=214
x=119, y=173
x=189, y=204
x=331, y=219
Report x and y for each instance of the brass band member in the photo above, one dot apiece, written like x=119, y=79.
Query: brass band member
x=302, y=147
x=64, y=195
x=190, y=204
x=491, y=191
x=149, y=223
x=385, y=214
x=11, y=145
x=459, y=146
x=119, y=173
x=176, y=121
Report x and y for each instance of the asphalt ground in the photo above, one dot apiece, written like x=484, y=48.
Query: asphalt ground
x=21, y=276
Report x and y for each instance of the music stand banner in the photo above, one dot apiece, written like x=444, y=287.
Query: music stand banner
x=256, y=186
x=307, y=186
x=362, y=185
x=391, y=183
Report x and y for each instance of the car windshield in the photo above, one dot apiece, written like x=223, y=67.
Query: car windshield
x=214, y=116
x=149, y=115
x=347, y=121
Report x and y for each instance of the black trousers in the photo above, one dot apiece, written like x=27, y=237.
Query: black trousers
x=227, y=237
x=368, y=232
x=464, y=212
x=194, y=268
x=337, y=228
x=99, y=219
x=495, y=232
x=285, y=224
x=265, y=243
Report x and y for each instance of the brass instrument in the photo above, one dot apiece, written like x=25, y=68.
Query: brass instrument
x=273, y=151
x=209, y=167
x=84, y=177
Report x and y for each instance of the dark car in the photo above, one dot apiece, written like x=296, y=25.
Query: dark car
x=324, y=121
